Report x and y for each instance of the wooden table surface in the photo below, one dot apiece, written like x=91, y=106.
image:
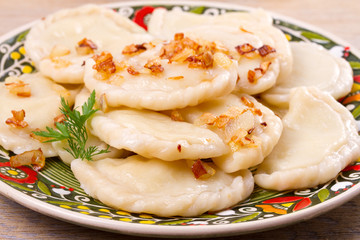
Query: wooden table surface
x=340, y=18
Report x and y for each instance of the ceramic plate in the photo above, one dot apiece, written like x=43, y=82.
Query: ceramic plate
x=55, y=192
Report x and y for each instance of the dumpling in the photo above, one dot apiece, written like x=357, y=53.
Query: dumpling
x=22, y=111
x=163, y=24
x=153, y=134
x=319, y=139
x=141, y=185
x=162, y=75
x=67, y=158
x=60, y=43
x=250, y=129
x=313, y=66
x=249, y=51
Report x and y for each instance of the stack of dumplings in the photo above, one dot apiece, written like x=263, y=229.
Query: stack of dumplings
x=186, y=107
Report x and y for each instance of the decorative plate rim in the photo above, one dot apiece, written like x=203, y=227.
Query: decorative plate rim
x=176, y=231
x=184, y=231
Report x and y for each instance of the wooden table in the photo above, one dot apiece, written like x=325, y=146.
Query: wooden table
x=341, y=18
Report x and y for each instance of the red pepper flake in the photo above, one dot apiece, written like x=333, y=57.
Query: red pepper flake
x=263, y=124
x=250, y=130
x=248, y=139
x=179, y=147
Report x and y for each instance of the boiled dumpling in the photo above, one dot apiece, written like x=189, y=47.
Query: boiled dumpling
x=26, y=95
x=138, y=185
x=243, y=47
x=66, y=157
x=162, y=75
x=319, y=139
x=313, y=66
x=250, y=129
x=163, y=24
x=60, y=43
x=153, y=134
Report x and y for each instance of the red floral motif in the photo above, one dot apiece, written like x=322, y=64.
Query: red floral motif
x=346, y=52
x=141, y=14
x=283, y=199
x=21, y=174
x=353, y=167
x=357, y=78
x=302, y=204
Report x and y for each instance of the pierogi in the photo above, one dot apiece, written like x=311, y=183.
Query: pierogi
x=60, y=43
x=153, y=134
x=141, y=185
x=319, y=139
x=162, y=75
x=313, y=66
x=164, y=23
x=243, y=47
x=25, y=96
x=250, y=129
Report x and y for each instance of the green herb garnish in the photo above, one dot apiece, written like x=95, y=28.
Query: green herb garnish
x=73, y=129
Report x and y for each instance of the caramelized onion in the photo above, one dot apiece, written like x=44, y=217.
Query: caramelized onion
x=17, y=120
x=133, y=49
x=154, y=65
x=85, y=47
x=104, y=64
x=18, y=87
x=35, y=158
x=202, y=170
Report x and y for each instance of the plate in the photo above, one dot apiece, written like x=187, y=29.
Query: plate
x=55, y=192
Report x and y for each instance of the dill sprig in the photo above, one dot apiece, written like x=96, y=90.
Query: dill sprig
x=73, y=129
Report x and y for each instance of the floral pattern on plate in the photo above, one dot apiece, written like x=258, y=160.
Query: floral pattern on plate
x=56, y=185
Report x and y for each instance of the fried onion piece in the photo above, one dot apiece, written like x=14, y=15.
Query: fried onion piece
x=35, y=158
x=202, y=170
x=133, y=49
x=154, y=66
x=17, y=120
x=85, y=47
x=18, y=87
x=104, y=64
